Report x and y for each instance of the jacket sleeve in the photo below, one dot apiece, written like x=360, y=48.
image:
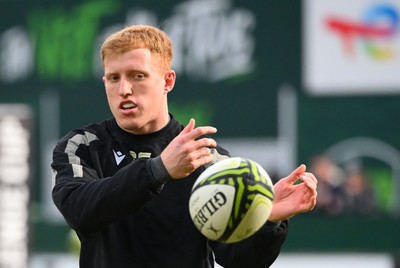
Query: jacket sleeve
x=257, y=251
x=87, y=200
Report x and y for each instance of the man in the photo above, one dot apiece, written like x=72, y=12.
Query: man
x=123, y=184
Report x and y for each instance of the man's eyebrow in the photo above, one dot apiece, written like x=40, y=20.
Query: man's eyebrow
x=111, y=74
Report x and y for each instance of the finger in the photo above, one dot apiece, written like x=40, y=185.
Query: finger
x=196, y=157
x=296, y=174
x=311, y=202
x=189, y=127
x=309, y=182
x=203, y=160
x=202, y=152
x=311, y=176
x=200, y=131
x=205, y=142
x=310, y=191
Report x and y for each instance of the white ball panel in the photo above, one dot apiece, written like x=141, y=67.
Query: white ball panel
x=210, y=208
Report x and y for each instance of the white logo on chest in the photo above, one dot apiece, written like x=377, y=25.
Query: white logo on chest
x=118, y=157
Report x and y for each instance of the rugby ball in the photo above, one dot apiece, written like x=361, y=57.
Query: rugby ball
x=231, y=200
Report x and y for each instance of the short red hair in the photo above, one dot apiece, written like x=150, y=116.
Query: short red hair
x=139, y=36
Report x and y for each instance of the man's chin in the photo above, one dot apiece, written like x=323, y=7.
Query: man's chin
x=129, y=126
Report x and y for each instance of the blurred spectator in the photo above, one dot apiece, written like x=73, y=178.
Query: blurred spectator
x=357, y=195
x=330, y=179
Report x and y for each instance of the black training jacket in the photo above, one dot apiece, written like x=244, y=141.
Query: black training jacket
x=125, y=217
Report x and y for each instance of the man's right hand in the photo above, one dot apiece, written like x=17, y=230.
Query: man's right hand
x=186, y=152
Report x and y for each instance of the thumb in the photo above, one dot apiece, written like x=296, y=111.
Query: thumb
x=189, y=127
x=294, y=176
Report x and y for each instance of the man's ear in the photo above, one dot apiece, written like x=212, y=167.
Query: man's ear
x=170, y=77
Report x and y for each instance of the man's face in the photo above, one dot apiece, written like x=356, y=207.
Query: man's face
x=137, y=90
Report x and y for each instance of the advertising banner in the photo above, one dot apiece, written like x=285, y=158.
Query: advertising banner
x=15, y=172
x=351, y=47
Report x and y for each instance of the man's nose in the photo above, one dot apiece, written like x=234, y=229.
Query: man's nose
x=125, y=88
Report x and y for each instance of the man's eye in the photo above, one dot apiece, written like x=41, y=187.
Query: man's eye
x=139, y=76
x=113, y=78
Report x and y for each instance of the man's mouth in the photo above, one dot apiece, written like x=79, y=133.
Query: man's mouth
x=127, y=105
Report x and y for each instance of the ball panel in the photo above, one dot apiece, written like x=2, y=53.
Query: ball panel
x=263, y=175
x=216, y=168
x=210, y=208
x=253, y=220
x=262, y=189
